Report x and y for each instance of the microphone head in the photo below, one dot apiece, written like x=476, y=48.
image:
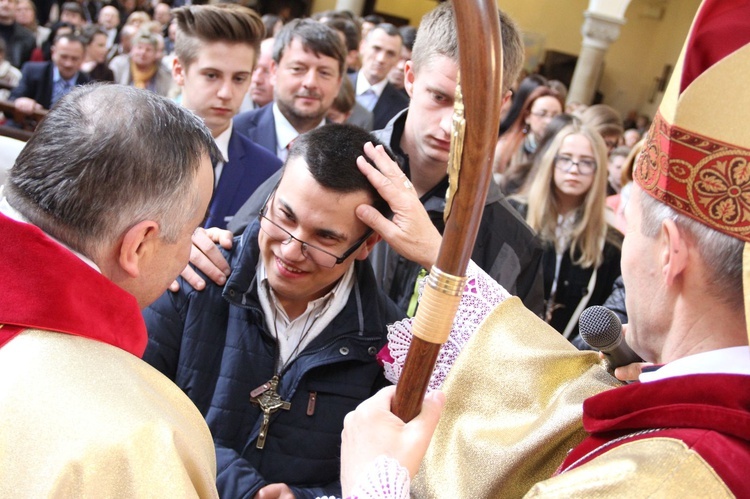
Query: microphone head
x=599, y=327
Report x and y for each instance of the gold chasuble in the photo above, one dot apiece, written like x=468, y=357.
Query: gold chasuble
x=81, y=418
x=503, y=430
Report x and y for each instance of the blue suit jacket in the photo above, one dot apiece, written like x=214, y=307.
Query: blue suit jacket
x=390, y=103
x=36, y=83
x=248, y=167
x=259, y=126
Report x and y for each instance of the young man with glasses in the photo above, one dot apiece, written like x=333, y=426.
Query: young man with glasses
x=277, y=357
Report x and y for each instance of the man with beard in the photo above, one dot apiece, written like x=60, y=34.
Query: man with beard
x=308, y=63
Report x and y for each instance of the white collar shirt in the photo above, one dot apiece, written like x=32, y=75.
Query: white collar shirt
x=363, y=85
x=294, y=335
x=285, y=132
x=732, y=360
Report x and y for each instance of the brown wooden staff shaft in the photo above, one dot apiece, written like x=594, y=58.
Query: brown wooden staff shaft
x=480, y=51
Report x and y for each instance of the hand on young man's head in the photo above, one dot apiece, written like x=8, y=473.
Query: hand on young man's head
x=409, y=231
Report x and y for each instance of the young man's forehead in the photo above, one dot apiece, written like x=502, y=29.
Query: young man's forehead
x=224, y=56
x=441, y=64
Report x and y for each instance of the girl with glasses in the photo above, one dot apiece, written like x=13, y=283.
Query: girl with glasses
x=565, y=205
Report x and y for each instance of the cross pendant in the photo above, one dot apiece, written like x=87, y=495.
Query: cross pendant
x=269, y=401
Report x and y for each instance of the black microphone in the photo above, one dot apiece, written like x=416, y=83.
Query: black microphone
x=601, y=329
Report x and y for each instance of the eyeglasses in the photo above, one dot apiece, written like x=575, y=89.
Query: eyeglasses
x=544, y=114
x=585, y=166
x=318, y=255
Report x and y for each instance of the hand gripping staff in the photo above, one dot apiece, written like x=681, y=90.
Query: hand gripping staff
x=476, y=120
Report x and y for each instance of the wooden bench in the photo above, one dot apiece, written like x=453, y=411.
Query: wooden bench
x=25, y=123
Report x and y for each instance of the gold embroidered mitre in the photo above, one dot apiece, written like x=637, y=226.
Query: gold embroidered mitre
x=697, y=153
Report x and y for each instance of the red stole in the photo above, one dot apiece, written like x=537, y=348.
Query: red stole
x=45, y=286
x=709, y=412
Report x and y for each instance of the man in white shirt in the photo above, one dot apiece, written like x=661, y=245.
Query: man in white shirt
x=109, y=20
x=380, y=53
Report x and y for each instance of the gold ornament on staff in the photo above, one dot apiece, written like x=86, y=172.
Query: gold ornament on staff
x=458, y=129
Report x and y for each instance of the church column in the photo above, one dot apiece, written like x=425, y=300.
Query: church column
x=599, y=31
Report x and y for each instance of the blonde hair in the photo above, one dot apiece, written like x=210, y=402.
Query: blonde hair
x=604, y=119
x=590, y=228
x=437, y=36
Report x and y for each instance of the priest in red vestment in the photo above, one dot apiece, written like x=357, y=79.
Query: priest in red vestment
x=95, y=224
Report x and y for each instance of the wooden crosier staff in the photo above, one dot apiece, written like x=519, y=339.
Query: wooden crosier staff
x=472, y=148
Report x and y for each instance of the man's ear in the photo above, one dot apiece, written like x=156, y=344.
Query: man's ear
x=137, y=246
x=674, y=251
x=364, y=251
x=508, y=96
x=178, y=72
x=409, y=77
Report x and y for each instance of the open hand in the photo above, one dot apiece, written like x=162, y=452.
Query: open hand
x=410, y=232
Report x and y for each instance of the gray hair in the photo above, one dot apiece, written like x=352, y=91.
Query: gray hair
x=106, y=158
x=144, y=35
x=722, y=254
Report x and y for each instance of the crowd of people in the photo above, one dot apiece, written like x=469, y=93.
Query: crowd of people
x=300, y=166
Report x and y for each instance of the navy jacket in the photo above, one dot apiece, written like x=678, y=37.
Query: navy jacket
x=36, y=83
x=259, y=126
x=248, y=167
x=390, y=103
x=215, y=346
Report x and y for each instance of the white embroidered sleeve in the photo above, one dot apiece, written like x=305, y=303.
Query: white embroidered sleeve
x=385, y=479
x=481, y=295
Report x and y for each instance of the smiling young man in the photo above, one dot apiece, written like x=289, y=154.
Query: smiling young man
x=278, y=356
x=308, y=63
x=216, y=49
